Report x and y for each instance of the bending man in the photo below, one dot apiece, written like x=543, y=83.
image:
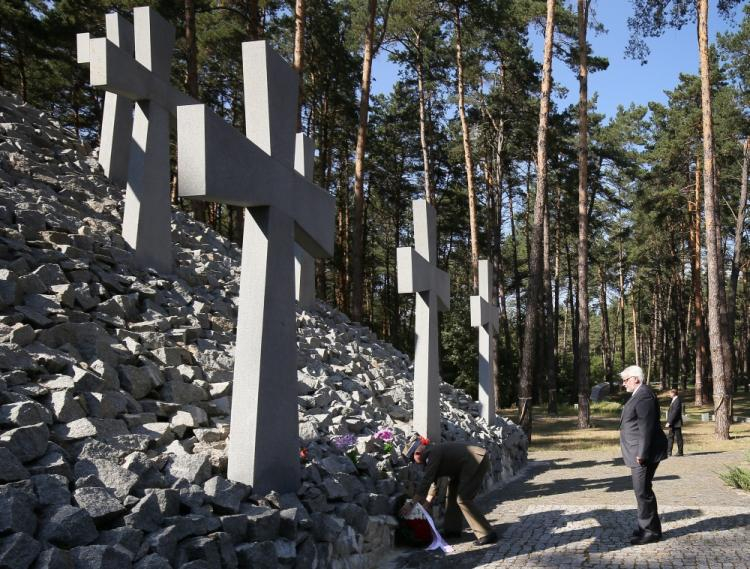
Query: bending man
x=466, y=466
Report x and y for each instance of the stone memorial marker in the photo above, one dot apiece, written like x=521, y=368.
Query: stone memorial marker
x=217, y=163
x=304, y=263
x=117, y=118
x=146, y=224
x=485, y=316
x=418, y=274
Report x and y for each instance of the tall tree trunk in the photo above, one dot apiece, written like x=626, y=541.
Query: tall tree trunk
x=699, y=334
x=621, y=265
x=718, y=341
x=299, y=56
x=468, y=160
x=583, y=221
x=516, y=274
x=739, y=226
x=358, y=243
x=550, y=356
x=533, y=312
x=606, y=342
x=426, y=171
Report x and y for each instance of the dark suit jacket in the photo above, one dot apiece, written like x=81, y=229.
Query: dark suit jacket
x=674, y=415
x=640, y=429
x=455, y=460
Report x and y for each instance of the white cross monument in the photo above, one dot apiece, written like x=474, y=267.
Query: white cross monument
x=146, y=224
x=418, y=274
x=304, y=263
x=485, y=316
x=117, y=118
x=216, y=163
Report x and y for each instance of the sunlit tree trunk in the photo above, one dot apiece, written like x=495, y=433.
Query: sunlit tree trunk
x=358, y=243
x=718, y=341
x=584, y=356
x=299, y=53
x=533, y=304
x=468, y=160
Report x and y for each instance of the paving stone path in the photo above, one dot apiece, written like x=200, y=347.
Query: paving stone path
x=577, y=509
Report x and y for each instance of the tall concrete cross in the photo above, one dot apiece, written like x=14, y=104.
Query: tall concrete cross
x=216, y=163
x=117, y=118
x=418, y=274
x=146, y=224
x=304, y=263
x=485, y=316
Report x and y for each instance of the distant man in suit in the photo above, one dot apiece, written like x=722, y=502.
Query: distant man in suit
x=466, y=466
x=643, y=446
x=674, y=423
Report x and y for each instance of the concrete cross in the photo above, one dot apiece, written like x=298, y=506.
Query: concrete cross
x=216, y=163
x=485, y=316
x=146, y=224
x=117, y=118
x=304, y=263
x=418, y=273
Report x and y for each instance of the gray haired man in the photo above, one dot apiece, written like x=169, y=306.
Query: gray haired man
x=643, y=446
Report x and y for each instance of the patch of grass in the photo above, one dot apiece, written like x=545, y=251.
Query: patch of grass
x=561, y=432
x=736, y=477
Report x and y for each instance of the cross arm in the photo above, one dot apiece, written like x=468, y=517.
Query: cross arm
x=415, y=274
x=483, y=313
x=113, y=69
x=215, y=162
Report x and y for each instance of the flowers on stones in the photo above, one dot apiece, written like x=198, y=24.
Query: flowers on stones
x=344, y=442
x=384, y=435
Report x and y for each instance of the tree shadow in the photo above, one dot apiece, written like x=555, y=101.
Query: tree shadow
x=606, y=530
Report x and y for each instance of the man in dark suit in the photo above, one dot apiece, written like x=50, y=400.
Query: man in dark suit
x=643, y=446
x=674, y=423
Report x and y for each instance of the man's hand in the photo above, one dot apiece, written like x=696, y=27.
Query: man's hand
x=667, y=425
x=641, y=461
x=406, y=508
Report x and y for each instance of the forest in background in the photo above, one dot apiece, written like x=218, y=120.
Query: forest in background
x=613, y=240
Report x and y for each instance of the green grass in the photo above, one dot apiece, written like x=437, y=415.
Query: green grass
x=737, y=477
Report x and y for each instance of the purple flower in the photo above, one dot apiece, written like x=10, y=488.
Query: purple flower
x=384, y=435
x=342, y=442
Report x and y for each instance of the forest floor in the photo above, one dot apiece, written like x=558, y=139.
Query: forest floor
x=573, y=506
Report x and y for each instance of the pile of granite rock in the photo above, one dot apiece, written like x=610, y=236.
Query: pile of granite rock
x=115, y=390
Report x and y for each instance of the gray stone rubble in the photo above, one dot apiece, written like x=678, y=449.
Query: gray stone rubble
x=115, y=390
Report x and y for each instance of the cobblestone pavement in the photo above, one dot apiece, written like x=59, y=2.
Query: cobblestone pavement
x=577, y=509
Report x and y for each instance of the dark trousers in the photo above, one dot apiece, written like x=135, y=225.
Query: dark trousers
x=648, y=515
x=675, y=434
x=461, y=494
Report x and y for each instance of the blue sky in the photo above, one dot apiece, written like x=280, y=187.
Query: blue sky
x=625, y=80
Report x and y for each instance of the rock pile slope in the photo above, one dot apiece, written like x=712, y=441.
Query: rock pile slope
x=115, y=390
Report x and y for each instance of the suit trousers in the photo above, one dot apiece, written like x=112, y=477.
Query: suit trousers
x=675, y=434
x=648, y=515
x=461, y=494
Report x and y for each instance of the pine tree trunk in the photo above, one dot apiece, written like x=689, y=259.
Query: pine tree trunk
x=533, y=306
x=468, y=160
x=549, y=332
x=718, y=341
x=606, y=346
x=299, y=55
x=699, y=335
x=621, y=265
x=737, y=255
x=428, y=192
x=516, y=274
x=358, y=243
x=584, y=356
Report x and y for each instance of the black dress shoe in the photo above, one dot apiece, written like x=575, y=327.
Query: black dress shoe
x=637, y=532
x=452, y=534
x=487, y=539
x=647, y=537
